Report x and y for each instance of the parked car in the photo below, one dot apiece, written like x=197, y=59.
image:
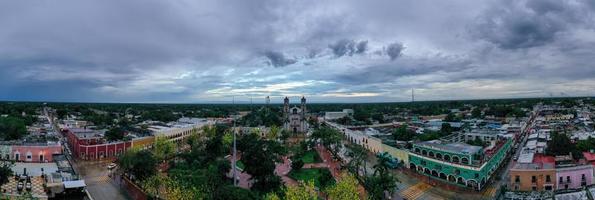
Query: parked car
x=112, y=166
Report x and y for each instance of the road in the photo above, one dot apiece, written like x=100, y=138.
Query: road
x=95, y=173
x=99, y=184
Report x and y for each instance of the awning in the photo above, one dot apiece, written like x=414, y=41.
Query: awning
x=74, y=184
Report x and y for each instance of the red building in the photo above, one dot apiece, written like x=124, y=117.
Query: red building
x=89, y=144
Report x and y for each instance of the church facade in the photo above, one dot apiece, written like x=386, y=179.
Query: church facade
x=294, y=119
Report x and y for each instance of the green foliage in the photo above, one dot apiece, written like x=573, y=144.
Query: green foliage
x=476, y=142
x=346, y=188
x=141, y=164
x=230, y=192
x=321, y=177
x=114, y=134
x=310, y=157
x=559, y=144
x=358, y=156
x=5, y=171
x=402, y=133
x=586, y=145
x=446, y=129
x=297, y=164
x=476, y=113
x=264, y=116
x=12, y=128
x=260, y=156
x=376, y=185
x=305, y=191
x=329, y=137
x=451, y=117
x=163, y=148
x=61, y=113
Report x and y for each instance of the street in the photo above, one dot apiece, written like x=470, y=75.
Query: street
x=99, y=184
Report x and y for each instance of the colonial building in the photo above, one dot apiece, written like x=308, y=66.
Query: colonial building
x=458, y=163
x=294, y=119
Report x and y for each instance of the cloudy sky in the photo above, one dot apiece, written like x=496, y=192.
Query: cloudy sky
x=197, y=51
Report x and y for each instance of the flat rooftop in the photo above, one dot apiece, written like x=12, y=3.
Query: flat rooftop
x=452, y=147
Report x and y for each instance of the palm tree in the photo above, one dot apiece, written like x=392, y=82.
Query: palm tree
x=273, y=132
x=358, y=157
x=383, y=163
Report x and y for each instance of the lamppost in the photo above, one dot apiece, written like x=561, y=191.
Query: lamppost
x=234, y=148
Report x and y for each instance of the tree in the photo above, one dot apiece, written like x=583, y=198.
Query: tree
x=259, y=157
x=325, y=177
x=330, y=138
x=305, y=191
x=451, y=117
x=379, y=184
x=114, y=134
x=273, y=133
x=5, y=171
x=141, y=164
x=402, y=133
x=61, y=113
x=358, y=156
x=559, y=145
x=446, y=129
x=346, y=188
x=476, y=113
x=271, y=196
x=12, y=128
x=163, y=148
x=297, y=164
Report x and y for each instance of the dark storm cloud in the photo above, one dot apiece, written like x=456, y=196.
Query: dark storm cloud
x=361, y=47
x=152, y=50
x=391, y=71
x=345, y=47
x=277, y=59
x=394, y=50
x=525, y=24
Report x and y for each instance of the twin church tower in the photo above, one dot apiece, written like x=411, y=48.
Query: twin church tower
x=294, y=119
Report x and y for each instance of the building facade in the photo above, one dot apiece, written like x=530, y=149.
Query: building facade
x=533, y=177
x=294, y=119
x=39, y=152
x=457, y=163
x=575, y=177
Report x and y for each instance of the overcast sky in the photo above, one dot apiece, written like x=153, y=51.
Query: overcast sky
x=195, y=51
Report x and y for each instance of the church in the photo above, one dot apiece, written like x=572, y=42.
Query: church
x=294, y=119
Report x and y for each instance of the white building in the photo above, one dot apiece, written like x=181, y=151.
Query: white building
x=338, y=115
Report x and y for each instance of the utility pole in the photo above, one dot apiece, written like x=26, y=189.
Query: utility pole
x=234, y=158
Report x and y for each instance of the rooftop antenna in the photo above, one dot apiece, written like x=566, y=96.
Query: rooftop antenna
x=235, y=183
x=412, y=95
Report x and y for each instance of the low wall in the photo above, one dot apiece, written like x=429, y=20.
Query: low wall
x=133, y=190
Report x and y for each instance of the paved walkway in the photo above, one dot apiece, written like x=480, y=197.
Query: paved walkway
x=282, y=169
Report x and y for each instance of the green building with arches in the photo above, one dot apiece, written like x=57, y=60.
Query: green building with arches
x=458, y=163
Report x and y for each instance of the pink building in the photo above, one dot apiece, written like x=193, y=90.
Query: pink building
x=35, y=152
x=574, y=177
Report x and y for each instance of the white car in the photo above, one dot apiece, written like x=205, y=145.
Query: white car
x=111, y=166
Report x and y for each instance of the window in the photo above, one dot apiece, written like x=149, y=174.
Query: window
x=534, y=188
x=568, y=179
x=561, y=179
x=533, y=179
x=583, y=178
x=517, y=179
x=548, y=188
x=548, y=178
